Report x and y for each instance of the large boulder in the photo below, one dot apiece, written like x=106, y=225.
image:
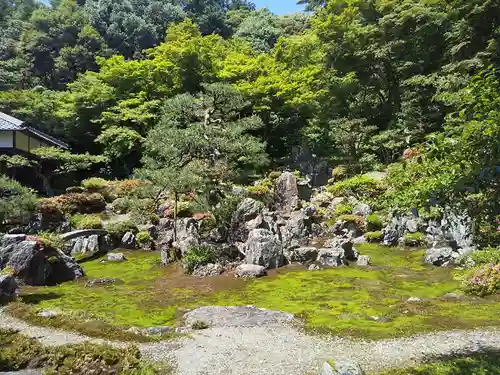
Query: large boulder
x=441, y=257
x=211, y=269
x=37, y=265
x=8, y=287
x=128, y=241
x=264, y=249
x=296, y=232
x=304, y=254
x=345, y=244
x=287, y=193
x=10, y=239
x=247, y=217
x=250, y=270
x=331, y=257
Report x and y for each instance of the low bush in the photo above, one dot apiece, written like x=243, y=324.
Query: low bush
x=17, y=203
x=19, y=352
x=374, y=236
x=262, y=191
x=83, y=203
x=75, y=189
x=274, y=175
x=143, y=238
x=360, y=187
x=185, y=209
x=79, y=221
x=490, y=255
x=374, y=223
x=353, y=219
x=197, y=256
x=122, y=205
x=343, y=209
x=130, y=188
x=95, y=184
x=414, y=239
x=483, y=281
x=118, y=229
x=50, y=240
x=339, y=173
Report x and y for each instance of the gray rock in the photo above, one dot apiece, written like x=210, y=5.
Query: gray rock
x=346, y=229
x=322, y=199
x=247, y=217
x=441, y=257
x=345, y=244
x=250, y=270
x=304, y=189
x=102, y=281
x=287, y=194
x=10, y=239
x=209, y=270
x=341, y=368
x=363, y=260
x=304, y=254
x=451, y=296
x=391, y=237
x=331, y=257
x=157, y=331
x=48, y=314
x=116, y=257
x=36, y=265
x=8, y=286
x=314, y=267
x=264, y=249
x=23, y=372
x=237, y=316
x=362, y=209
x=128, y=241
x=414, y=300
x=296, y=232
x=412, y=225
x=309, y=211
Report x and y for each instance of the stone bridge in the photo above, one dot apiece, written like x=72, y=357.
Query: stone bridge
x=83, y=233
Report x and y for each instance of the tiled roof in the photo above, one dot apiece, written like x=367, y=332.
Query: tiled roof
x=9, y=123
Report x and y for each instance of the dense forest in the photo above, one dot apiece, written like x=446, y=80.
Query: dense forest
x=215, y=90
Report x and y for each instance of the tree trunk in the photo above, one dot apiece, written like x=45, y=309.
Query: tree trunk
x=47, y=187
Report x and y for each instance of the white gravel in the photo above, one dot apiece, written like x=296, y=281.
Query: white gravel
x=280, y=350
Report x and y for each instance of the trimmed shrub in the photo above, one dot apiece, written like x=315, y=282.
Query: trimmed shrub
x=360, y=187
x=185, y=209
x=17, y=203
x=490, y=255
x=75, y=202
x=128, y=188
x=374, y=236
x=197, y=256
x=373, y=223
x=122, y=205
x=79, y=221
x=118, y=229
x=75, y=189
x=274, y=175
x=263, y=191
x=483, y=281
x=95, y=184
x=414, y=239
x=339, y=173
x=143, y=238
x=50, y=240
x=353, y=219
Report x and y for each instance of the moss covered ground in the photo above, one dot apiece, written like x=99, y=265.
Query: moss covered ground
x=365, y=302
x=486, y=363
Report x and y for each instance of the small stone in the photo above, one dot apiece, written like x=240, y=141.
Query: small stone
x=363, y=261
x=102, y=281
x=183, y=329
x=116, y=257
x=250, y=270
x=451, y=296
x=314, y=267
x=48, y=314
x=413, y=300
x=157, y=331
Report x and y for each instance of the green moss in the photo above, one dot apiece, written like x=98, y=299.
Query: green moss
x=358, y=186
x=472, y=364
x=414, y=239
x=374, y=222
x=342, y=301
x=19, y=352
x=143, y=238
x=343, y=209
x=374, y=236
x=79, y=221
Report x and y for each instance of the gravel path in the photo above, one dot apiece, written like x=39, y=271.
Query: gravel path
x=280, y=350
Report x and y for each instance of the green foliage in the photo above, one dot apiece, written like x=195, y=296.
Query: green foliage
x=374, y=236
x=79, y=221
x=17, y=202
x=74, y=203
x=343, y=209
x=484, y=362
x=197, y=256
x=143, y=238
x=95, y=184
x=360, y=187
x=414, y=239
x=18, y=352
x=50, y=240
x=374, y=222
x=118, y=229
x=483, y=281
x=224, y=210
x=359, y=221
x=262, y=191
x=486, y=256
x=199, y=325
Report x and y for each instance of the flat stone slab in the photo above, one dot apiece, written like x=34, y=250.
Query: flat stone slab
x=238, y=316
x=83, y=233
